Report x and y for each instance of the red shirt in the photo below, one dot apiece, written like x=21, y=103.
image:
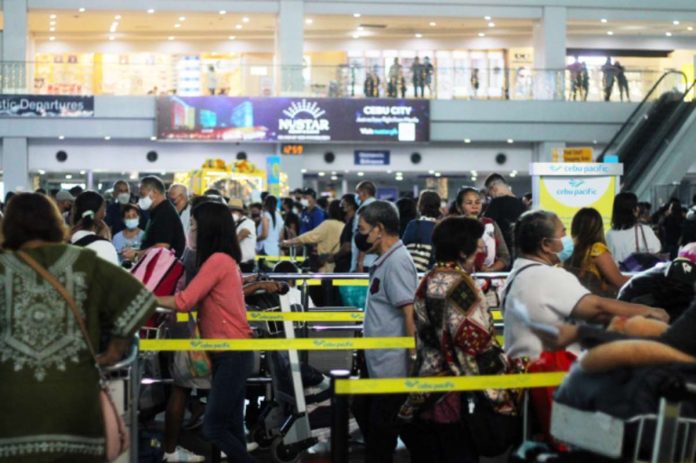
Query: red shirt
x=217, y=291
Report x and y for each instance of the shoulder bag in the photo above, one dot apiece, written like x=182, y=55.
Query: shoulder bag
x=639, y=261
x=421, y=253
x=116, y=435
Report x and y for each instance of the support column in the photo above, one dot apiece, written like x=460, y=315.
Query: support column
x=14, y=47
x=549, y=38
x=15, y=163
x=289, y=45
x=292, y=167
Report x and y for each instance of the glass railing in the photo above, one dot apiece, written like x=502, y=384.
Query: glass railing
x=341, y=81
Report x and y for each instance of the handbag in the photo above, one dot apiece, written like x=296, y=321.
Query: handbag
x=116, y=436
x=639, y=261
x=199, y=361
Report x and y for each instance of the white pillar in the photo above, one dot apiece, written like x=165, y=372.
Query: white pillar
x=289, y=45
x=14, y=46
x=549, y=39
x=292, y=167
x=15, y=163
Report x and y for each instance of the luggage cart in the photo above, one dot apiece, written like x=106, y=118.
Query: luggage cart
x=673, y=436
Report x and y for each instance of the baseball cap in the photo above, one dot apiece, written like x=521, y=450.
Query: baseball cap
x=64, y=195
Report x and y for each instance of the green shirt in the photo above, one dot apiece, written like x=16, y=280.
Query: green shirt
x=49, y=387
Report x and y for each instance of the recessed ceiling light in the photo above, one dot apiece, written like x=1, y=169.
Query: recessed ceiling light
x=182, y=18
x=467, y=140
x=668, y=34
x=245, y=19
x=51, y=38
x=361, y=174
x=232, y=37
x=321, y=174
x=52, y=29
x=171, y=37
x=491, y=24
x=107, y=138
x=82, y=10
x=61, y=137
x=510, y=140
x=238, y=26
x=150, y=10
x=356, y=15
x=111, y=37
x=603, y=20
x=117, y=17
x=689, y=28
x=676, y=23
x=153, y=138
x=431, y=172
x=356, y=36
x=177, y=25
x=68, y=176
x=309, y=21
x=433, y=24
x=82, y=172
x=610, y=32
x=304, y=171
x=481, y=34
x=487, y=18
x=222, y=12
x=438, y=174
x=360, y=28
x=52, y=23
x=41, y=172
x=52, y=16
x=418, y=36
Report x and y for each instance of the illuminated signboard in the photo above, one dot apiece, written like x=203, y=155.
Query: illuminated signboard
x=293, y=119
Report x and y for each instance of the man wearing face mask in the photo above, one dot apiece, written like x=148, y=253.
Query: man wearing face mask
x=114, y=211
x=538, y=291
x=246, y=235
x=65, y=201
x=178, y=195
x=388, y=312
x=164, y=229
x=312, y=215
x=360, y=260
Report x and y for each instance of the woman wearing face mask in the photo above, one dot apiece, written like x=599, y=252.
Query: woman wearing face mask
x=132, y=235
x=539, y=291
x=496, y=257
x=591, y=260
x=450, y=305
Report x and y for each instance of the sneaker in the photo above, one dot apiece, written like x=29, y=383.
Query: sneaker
x=251, y=446
x=318, y=393
x=182, y=455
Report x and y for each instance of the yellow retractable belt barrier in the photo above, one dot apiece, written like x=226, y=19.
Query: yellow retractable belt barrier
x=276, y=344
x=280, y=258
x=448, y=383
x=307, y=316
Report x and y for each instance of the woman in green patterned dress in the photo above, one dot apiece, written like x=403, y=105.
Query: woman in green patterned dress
x=49, y=405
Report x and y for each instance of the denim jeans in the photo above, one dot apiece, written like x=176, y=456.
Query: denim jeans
x=224, y=414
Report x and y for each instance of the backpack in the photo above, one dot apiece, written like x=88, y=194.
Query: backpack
x=87, y=240
x=159, y=270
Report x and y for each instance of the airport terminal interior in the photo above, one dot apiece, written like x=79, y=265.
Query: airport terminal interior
x=379, y=231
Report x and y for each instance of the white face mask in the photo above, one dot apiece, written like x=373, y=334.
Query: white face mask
x=305, y=203
x=145, y=203
x=123, y=198
x=236, y=216
x=132, y=224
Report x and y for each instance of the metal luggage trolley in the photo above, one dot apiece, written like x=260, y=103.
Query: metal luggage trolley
x=673, y=435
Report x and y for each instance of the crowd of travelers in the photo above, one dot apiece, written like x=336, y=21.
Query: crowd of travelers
x=426, y=261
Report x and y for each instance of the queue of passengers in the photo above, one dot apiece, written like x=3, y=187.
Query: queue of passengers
x=557, y=276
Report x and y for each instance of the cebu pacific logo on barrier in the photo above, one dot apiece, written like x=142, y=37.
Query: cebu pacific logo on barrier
x=304, y=118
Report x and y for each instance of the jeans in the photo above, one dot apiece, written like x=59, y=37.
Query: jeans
x=224, y=416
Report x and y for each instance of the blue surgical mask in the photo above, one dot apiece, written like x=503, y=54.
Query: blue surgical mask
x=132, y=224
x=357, y=200
x=568, y=248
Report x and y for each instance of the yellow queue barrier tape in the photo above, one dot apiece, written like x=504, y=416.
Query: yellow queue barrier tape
x=255, y=316
x=448, y=383
x=280, y=258
x=276, y=344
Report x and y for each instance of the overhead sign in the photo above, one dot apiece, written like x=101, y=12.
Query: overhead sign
x=580, y=154
x=292, y=119
x=292, y=149
x=46, y=106
x=371, y=158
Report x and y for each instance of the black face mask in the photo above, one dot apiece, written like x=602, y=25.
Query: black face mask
x=361, y=242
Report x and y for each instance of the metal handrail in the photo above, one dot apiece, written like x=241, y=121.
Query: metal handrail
x=625, y=125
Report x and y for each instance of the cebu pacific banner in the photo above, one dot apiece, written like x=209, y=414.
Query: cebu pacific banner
x=292, y=119
x=46, y=106
x=565, y=188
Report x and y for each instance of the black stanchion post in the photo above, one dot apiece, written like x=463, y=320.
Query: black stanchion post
x=215, y=456
x=339, y=419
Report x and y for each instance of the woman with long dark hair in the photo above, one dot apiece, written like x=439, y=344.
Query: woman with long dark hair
x=591, y=255
x=627, y=236
x=272, y=225
x=88, y=226
x=217, y=291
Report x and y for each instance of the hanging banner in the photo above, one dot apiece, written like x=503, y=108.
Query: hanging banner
x=273, y=175
x=46, y=106
x=293, y=119
x=371, y=158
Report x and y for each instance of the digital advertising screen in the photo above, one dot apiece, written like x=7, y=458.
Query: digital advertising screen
x=219, y=118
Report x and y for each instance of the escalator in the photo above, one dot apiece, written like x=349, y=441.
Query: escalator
x=653, y=144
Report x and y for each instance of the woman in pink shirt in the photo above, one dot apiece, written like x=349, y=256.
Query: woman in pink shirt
x=217, y=291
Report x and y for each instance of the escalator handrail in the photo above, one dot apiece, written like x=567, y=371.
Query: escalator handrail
x=638, y=108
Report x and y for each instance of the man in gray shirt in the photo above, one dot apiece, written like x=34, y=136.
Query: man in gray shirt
x=388, y=313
